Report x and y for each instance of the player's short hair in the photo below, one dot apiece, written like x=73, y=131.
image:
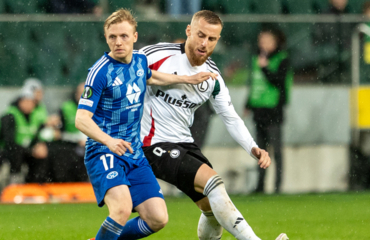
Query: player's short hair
x=209, y=16
x=119, y=16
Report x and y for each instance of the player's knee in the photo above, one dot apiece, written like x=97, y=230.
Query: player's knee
x=204, y=205
x=158, y=222
x=120, y=215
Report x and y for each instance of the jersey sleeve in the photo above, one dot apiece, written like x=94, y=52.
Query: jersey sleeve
x=221, y=102
x=148, y=71
x=95, y=84
x=157, y=52
x=220, y=98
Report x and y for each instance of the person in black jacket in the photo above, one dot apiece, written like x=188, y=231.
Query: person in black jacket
x=18, y=137
x=271, y=80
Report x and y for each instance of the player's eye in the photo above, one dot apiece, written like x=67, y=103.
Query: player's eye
x=201, y=35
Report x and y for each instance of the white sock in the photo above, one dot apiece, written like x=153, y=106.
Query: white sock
x=208, y=227
x=225, y=212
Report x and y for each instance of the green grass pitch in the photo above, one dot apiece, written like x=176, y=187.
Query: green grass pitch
x=307, y=216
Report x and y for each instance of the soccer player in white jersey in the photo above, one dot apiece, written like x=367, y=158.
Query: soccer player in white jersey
x=168, y=114
x=109, y=113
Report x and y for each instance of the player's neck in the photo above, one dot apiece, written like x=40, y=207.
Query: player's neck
x=187, y=52
x=125, y=60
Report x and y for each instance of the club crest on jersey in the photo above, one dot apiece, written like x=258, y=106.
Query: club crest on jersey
x=133, y=93
x=112, y=175
x=176, y=102
x=203, y=86
x=140, y=72
x=175, y=153
x=88, y=92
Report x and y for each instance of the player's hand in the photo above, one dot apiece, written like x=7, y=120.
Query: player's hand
x=263, y=157
x=201, y=77
x=119, y=146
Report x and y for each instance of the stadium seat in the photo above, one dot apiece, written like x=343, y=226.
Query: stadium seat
x=24, y=7
x=237, y=6
x=299, y=6
x=116, y=4
x=85, y=45
x=50, y=54
x=267, y=6
x=2, y=6
x=16, y=57
x=357, y=5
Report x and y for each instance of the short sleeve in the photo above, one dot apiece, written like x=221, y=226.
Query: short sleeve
x=94, y=87
x=149, y=74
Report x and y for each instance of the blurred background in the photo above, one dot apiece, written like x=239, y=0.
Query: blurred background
x=326, y=142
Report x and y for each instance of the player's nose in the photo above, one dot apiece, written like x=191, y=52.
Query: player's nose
x=204, y=43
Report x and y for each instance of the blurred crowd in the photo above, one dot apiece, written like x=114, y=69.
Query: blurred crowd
x=39, y=147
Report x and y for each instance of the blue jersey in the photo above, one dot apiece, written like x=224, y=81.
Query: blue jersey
x=114, y=93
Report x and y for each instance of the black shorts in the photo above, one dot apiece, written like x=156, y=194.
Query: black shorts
x=177, y=163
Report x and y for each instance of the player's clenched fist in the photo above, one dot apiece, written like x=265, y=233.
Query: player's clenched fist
x=119, y=146
x=263, y=157
x=201, y=77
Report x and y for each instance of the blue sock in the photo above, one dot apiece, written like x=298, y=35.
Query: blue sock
x=135, y=228
x=109, y=230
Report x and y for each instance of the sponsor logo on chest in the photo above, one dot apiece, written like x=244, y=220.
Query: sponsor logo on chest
x=183, y=103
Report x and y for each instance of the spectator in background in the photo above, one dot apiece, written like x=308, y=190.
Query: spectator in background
x=19, y=138
x=35, y=86
x=179, y=7
x=68, y=150
x=74, y=6
x=333, y=44
x=271, y=80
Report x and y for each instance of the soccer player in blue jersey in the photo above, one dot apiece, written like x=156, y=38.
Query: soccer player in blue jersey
x=109, y=113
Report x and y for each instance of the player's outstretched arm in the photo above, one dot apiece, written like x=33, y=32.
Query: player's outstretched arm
x=85, y=124
x=162, y=79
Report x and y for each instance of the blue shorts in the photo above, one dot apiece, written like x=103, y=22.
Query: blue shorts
x=107, y=170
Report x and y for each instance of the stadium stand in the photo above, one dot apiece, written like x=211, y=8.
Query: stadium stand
x=298, y=6
x=2, y=6
x=24, y=7
x=267, y=7
x=115, y=4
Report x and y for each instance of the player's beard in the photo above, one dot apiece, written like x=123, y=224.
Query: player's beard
x=197, y=60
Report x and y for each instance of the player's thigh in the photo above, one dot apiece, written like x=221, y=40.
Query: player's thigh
x=105, y=171
x=118, y=201
x=144, y=185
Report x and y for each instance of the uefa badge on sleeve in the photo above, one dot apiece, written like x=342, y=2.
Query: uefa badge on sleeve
x=88, y=92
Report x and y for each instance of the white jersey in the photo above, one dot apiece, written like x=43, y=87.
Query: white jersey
x=169, y=110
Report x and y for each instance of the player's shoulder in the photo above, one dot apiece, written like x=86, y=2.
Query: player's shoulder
x=211, y=66
x=98, y=70
x=162, y=48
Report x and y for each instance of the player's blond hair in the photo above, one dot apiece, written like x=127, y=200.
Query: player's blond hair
x=119, y=16
x=209, y=16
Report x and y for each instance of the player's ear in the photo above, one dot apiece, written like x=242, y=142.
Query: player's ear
x=136, y=35
x=188, y=30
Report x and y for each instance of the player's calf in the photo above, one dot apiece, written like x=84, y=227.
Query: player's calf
x=225, y=212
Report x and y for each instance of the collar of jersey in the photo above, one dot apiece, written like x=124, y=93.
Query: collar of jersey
x=115, y=61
